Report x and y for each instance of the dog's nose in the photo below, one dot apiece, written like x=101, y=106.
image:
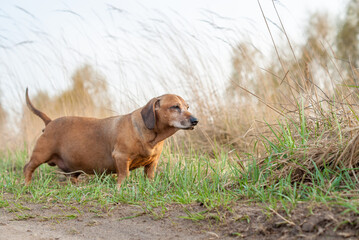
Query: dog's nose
x=193, y=121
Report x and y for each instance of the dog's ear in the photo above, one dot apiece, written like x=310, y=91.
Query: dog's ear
x=148, y=113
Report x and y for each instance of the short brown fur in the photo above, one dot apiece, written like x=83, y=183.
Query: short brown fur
x=116, y=144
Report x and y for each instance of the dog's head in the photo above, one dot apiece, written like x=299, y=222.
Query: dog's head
x=168, y=111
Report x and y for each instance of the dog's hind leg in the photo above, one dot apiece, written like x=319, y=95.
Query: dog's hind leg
x=41, y=154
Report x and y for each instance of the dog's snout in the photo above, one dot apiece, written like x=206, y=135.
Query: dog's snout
x=193, y=121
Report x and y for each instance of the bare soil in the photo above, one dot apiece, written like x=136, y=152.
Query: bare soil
x=54, y=221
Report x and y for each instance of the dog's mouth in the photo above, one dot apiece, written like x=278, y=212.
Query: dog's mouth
x=187, y=124
x=186, y=128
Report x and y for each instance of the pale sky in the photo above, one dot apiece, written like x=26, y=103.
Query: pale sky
x=130, y=42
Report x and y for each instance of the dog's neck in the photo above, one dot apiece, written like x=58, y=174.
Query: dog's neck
x=162, y=134
x=154, y=136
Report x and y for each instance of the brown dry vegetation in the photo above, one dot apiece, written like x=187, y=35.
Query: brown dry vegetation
x=314, y=94
x=313, y=83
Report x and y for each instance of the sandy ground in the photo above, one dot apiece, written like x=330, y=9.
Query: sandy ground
x=120, y=221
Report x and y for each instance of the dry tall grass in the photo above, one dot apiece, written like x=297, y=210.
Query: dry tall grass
x=297, y=82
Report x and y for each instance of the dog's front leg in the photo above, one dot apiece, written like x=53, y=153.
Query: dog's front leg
x=151, y=168
x=122, y=162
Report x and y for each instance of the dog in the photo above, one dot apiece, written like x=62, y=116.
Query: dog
x=115, y=144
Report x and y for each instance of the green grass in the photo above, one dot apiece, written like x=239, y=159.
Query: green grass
x=181, y=180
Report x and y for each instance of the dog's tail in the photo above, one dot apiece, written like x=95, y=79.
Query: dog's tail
x=37, y=112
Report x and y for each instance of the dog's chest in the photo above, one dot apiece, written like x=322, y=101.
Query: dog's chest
x=146, y=156
x=140, y=161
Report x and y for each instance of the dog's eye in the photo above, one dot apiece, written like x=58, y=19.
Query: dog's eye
x=176, y=107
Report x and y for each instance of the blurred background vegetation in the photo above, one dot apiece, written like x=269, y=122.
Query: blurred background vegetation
x=87, y=96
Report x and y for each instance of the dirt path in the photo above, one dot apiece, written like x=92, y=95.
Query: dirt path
x=122, y=222
x=36, y=221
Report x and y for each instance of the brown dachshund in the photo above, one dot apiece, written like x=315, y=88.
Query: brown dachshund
x=112, y=145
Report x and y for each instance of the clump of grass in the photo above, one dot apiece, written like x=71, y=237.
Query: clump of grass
x=309, y=148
